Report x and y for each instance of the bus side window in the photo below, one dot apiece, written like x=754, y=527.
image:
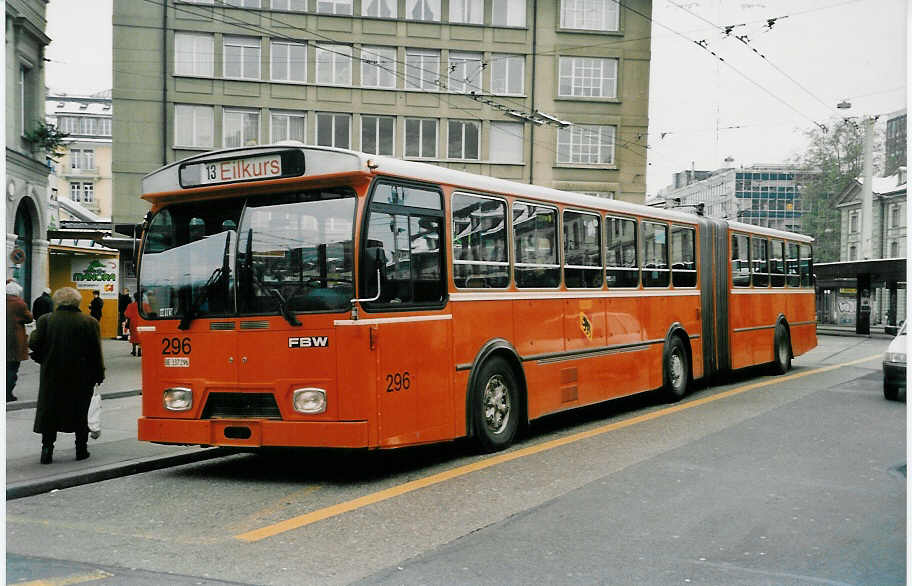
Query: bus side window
x=683, y=257
x=791, y=266
x=479, y=242
x=622, y=268
x=777, y=263
x=582, y=250
x=760, y=260
x=740, y=261
x=806, y=264
x=655, y=255
x=535, y=234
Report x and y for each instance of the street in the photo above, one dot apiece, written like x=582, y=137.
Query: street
x=799, y=479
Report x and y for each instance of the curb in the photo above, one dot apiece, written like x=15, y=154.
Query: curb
x=19, y=405
x=32, y=487
x=846, y=333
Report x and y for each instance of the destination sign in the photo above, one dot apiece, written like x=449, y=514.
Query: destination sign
x=241, y=169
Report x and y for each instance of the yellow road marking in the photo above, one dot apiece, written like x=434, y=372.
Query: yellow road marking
x=334, y=510
x=74, y=579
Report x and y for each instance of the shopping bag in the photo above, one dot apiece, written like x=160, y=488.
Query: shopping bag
x=95, y=416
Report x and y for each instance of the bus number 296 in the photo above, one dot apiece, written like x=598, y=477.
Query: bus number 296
x=175, y=345
x=398, y=381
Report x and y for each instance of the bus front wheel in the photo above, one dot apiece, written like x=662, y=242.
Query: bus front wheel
x=782, y=349
x=496, y=401
x=676, y=370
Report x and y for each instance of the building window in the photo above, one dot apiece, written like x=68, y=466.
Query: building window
x=421, y=138
x=467, y=11
x=287, y=126
x=428, y=10
x=378, y=67
x=289, y=61
x=505, y=142
x=895, y=216
x=193, y=126
x=88, y=192
x=463, y=139
x=894, y=249
x=507, y=74
x=289, y=5
x=334, y=64
x=508, y=13
x=88, y=126
x=194, y=54
x=380, y=8
x=334, y=130
x=592, y=15
x=26, y=101
x=75, y=191
x=853, y=252
x=465, y=72
x=83, y=159
x=334, y=6
x=853, y=222
x=104, y=126
x=588, y=77
x=586, y=144
x=377, y=134
x=240, y=128
x=242, y=57
x=422, y=69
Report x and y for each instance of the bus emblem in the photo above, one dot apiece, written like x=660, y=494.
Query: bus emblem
x=585, y=325
x=309, y=342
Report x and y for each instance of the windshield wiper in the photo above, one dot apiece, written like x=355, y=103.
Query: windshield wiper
x=192, y=311
x=284, y=310
x=217, y=275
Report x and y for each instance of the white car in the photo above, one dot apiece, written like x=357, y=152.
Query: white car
x=894, y=366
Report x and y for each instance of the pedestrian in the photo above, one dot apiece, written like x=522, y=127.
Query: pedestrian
x=95, y=305
x=42, y=304
x=17, y=315
x=67, y=344
x=132, y=315
x=123, y=300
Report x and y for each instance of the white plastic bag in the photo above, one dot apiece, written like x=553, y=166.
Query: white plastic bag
x=95, y=416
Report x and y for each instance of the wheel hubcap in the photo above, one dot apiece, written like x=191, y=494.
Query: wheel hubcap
x=676, y=369
x=496, y=403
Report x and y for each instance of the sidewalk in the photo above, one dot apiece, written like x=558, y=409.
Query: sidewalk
x=878, y=331
x=116, y=453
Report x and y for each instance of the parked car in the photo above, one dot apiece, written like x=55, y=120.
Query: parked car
x=894, y=366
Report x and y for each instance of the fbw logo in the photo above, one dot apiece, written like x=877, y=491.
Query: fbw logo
x=309, y=342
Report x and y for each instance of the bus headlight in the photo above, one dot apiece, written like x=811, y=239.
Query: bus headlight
x=178, y=399
x=309, y=400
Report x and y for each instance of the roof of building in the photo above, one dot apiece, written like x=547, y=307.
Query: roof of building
x=61, y=103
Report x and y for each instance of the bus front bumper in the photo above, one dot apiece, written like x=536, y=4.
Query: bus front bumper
x=254, y=432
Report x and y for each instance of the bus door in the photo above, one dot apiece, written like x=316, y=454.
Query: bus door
x=403, y=252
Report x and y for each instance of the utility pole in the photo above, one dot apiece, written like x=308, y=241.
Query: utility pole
x=867, y=197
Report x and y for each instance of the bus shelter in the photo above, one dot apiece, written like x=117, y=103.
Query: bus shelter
x=859, y=291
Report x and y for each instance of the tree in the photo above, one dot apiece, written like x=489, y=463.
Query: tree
x=45, y=137
x=833, y=159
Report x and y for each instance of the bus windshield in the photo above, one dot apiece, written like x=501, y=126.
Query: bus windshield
x=269, y=255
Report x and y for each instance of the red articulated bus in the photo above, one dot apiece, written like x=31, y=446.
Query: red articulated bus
x=307, y=296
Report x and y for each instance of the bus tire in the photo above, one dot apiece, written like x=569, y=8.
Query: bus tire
x=496, y=405
x=782, y=350
x=675, y=370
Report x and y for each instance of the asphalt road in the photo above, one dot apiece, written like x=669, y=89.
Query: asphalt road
x=763, y=480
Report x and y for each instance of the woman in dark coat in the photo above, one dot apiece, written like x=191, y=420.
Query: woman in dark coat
x=67, y=344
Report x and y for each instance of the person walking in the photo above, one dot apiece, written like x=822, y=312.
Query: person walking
x=17, y=315
x=95, y=306
x=42, y=304
x=132, y=315
x=67, y=344
x=123, y=300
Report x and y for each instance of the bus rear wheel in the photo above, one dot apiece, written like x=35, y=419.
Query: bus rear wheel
x=782, y=351
x=496, y=405
x=676, y=370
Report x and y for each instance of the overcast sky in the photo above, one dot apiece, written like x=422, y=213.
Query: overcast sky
x=817, y=52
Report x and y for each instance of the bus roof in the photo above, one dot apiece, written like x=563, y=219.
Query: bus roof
x=326, y=160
